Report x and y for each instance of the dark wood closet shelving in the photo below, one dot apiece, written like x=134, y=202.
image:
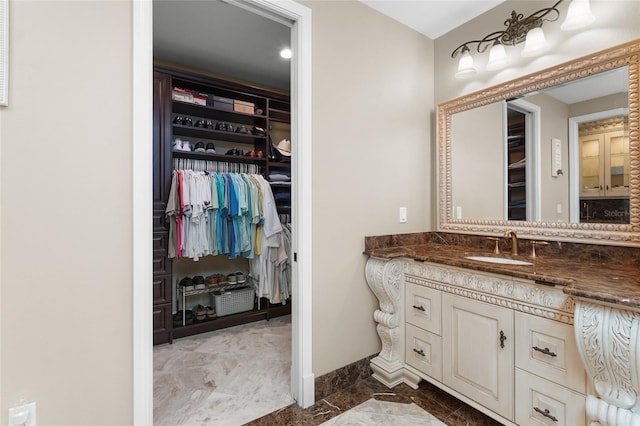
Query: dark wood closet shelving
x=274, y=107
x=220, y=157
x=217, y=135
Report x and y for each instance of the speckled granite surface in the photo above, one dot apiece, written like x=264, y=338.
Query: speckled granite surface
x=604, y=273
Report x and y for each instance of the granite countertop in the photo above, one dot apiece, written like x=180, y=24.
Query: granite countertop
x=592, y=279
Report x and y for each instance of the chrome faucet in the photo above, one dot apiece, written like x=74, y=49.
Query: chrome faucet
x=514, y=241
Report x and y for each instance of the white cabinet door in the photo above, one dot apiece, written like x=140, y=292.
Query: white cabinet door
x=478, y=352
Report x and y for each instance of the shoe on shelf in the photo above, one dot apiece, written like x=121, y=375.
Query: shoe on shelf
x=240, y=278
x=198, y=282
x=200, y=312
x=222, y=279
x=177, y=119
x=211, y=149
x=176, y=145
x=199, y=147
x=212, y=280
x=186, y=284
x=186, y=146
x=232, y=279
x=211, y=313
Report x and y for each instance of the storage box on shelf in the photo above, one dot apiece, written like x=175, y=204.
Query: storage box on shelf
x=234, y=301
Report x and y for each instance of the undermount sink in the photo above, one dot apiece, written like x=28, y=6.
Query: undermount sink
x=501, y=260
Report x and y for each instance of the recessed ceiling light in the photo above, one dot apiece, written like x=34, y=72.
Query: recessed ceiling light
x=285, y=53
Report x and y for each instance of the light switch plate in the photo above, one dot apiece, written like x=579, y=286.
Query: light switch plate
x=403, y=215
x=23, y=415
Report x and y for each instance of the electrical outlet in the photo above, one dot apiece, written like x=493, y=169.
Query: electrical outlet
x=403, y=215
x=24, y=415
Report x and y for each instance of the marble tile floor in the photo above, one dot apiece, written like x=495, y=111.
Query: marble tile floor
x=225, y=377
x=441, y=405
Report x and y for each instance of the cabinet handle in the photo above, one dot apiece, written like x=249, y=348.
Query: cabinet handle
x=545, y=351
x=419, y=352
x=502, y=338
x=420, y=308
x=545, y=413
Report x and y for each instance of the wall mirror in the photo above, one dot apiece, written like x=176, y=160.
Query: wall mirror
x=553, y=155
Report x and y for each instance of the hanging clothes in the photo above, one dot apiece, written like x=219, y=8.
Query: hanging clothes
x=219, y=213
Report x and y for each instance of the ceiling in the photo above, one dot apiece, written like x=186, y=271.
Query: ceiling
x=432, y=18
x=224, y=39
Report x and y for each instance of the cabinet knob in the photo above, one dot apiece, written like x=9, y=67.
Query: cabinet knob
x=502, y=339
x=545, y=413
x=545, y=351
x=420, y=308
x=419, y=352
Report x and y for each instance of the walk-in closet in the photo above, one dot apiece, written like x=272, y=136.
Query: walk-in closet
x=222, y=213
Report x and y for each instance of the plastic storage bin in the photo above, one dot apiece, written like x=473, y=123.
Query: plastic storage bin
x=234, y=301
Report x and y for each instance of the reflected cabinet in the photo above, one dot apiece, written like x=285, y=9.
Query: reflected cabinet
x=604, y=154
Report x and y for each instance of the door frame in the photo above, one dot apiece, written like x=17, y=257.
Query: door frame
x=302, y=377
x=533, y=145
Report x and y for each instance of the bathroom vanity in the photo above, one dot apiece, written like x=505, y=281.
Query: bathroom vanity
x=551, y=342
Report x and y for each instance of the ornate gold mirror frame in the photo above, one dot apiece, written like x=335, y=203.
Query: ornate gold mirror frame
x=627, y=54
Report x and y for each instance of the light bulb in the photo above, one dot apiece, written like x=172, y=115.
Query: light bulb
x=286, y=53
x=578, y=16
x=535, y=43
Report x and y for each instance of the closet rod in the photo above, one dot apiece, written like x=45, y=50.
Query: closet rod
x=214, y=166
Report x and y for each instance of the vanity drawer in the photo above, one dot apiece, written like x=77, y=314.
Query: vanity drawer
x=423, y=307
x=548, y=348
x=541, y=402
x=423, y=351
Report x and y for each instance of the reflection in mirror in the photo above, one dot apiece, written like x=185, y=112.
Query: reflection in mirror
x=503, y=148
x=547, y=152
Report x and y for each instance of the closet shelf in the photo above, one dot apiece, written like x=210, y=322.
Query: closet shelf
x=219, y=135
x=218, y=288
x=208, y=111
x=279, y=165
x=219, y=157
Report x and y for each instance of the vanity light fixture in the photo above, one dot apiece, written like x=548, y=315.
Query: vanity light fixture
x=520, y=29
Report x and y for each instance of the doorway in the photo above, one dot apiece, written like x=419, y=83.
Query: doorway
x=302, y=376
x=523, y=161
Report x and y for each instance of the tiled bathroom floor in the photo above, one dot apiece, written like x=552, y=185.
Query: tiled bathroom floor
x=436, y=402
x=241, y=375
x=225, y=377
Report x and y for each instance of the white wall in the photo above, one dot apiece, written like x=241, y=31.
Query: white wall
x=480, y=152
x=372, y=106
x=66, y=177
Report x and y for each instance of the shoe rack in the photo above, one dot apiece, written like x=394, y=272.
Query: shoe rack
x=235, y=124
